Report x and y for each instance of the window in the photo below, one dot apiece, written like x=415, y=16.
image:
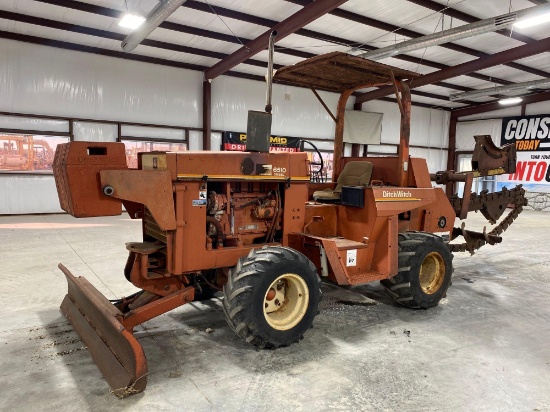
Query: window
x=480, y=183
x=134, y=147
x=324, y=175
x=28, y=153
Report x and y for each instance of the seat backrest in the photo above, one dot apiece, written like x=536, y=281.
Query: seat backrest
x=356, y=173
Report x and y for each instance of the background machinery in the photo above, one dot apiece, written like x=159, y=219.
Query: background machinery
x=24, y=153
x=253, y=225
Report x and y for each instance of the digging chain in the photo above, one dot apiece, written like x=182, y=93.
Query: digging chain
x=471, y=245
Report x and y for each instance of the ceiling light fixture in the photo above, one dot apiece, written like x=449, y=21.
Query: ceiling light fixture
x=131, y=21
x=155, y=17
x=533, y=21
x=509, y=101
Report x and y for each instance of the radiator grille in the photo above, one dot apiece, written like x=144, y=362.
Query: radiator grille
x=152, y=228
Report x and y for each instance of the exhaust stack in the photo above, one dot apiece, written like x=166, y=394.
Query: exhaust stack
x=258, y=130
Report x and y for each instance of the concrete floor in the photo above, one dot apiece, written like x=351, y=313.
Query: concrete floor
x=484, y=348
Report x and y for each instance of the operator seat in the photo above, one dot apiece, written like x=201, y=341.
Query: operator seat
x=356, y=173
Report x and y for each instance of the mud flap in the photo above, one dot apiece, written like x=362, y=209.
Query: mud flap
x=115, y=350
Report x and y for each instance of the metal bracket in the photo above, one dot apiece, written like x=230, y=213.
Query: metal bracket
x=324, y=261
x=323, y=104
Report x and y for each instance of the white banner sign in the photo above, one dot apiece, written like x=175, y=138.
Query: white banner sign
x=362, y=127
x=531, y=136
x=532, y=171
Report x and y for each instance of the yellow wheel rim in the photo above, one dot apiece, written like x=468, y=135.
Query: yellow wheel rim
x=286, y=301
x=432, y=273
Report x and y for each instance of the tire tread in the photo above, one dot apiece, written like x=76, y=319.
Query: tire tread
x=240, y=286
x=400, y=288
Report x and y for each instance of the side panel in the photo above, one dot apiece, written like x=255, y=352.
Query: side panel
x=190, y=240
x=76, y=170
x=243, y=166
x=321, y=220
x=151, y=188
x=294, y=210
x=441, y=208
x=385, y=257
x=384, y=168
x=420, y=176
x=393, y=200
x=377, y=228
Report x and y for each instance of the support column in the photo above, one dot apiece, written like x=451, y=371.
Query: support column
x=206, y=115
x=451, y=153
x=339, y=133
x=356, y=148
x=404, y=101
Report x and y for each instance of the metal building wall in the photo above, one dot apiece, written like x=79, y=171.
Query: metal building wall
x=49, y=81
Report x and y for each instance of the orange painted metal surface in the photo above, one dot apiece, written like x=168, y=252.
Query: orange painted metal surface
x=320, y=219
x=253, y=196
x=115, y=350
x=203, y=211
x=338, y=72
x=76, y=170
x=241, y=166
x=249, y=200
x=420, y=176
x=403, y=95
x=156, y=308
x=151, y=188
x=372, y=231
x=138, y=272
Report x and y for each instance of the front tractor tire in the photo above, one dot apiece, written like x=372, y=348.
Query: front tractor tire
x=425, y=271
x=272, y=296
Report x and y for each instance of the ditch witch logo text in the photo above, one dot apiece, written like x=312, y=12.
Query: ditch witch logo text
x=529, y=133
x=397, y=193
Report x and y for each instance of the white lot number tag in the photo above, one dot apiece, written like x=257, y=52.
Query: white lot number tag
x=352, y=257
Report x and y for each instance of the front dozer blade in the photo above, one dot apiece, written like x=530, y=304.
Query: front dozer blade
x=115, y=350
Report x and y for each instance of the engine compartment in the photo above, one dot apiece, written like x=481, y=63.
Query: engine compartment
x=243, y=213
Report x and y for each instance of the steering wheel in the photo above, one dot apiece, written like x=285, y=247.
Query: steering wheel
x=316, y=168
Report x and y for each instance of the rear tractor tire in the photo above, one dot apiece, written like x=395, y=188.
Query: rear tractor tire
x=425, y=271
x=272, y=296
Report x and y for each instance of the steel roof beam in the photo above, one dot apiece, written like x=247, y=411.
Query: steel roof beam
x=195, y=5
x=496, y=59
x=413, y=34
x=113, y=53
x=438, y=97
x=145, y=59
x=180, y=28
x=73, y=28
x=283, y=29
x=76, y=5
x=104, y=34
x=418, y=104
x=200, y=6
x=104, y=11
